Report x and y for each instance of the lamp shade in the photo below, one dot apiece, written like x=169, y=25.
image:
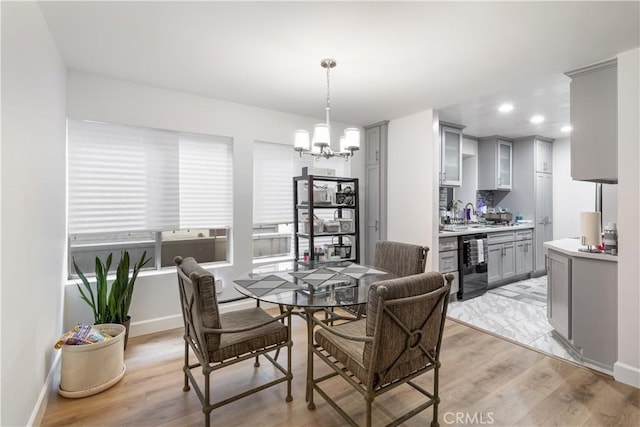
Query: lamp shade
x=352, y=137
x=321, y=135
x=301, y=142
x=343, y=144
x=590, y=228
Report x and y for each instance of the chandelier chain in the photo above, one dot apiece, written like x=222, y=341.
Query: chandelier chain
x=328, y=107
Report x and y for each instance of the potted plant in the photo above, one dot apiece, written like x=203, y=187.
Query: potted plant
x=110, y=303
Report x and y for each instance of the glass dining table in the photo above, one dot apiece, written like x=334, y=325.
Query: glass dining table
x=311, y=287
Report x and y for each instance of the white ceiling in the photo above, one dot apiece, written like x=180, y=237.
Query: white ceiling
x=547, y=97
x=394, y=58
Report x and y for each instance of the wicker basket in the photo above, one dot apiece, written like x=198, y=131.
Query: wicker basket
x=89, y=369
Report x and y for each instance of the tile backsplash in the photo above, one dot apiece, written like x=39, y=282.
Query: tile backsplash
x=487, y=196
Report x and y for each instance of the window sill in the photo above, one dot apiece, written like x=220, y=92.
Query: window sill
x=272, y=260
x=154, y=273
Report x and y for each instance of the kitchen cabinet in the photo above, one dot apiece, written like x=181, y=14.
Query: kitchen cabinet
x=543, y=191
x=544, y=155
x=448, y=260
x=495, y=164
x=559, y=286
x=532, y=155
x=594, y=122
x=450, y=154
x=501, y=264
x=375, y=141
x=333, y=198
x=524, y=253
x=583, y=302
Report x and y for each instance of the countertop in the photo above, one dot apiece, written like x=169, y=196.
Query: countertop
x=490, y=229
x=570, y=247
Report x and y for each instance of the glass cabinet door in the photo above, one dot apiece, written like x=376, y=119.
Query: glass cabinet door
x=451, y=162
x=504, y=165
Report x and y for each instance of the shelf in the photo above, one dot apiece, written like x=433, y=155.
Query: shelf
x=326, y=206
x=306, y=235
x=325, y=178
x=306, y=201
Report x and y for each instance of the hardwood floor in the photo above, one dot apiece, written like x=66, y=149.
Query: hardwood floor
x=484, y=380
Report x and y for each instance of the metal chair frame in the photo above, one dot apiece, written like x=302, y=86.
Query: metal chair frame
x=369, y=390
x=198, y=346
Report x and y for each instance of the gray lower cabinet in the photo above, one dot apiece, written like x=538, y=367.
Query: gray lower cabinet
x=524, y=257
x=559, y=293
x=501, y=257
x=448, y=260
x=524, y=252
x=594, y=317
x=582, y=306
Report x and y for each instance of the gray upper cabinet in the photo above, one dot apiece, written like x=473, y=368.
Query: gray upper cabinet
x=450, y=155
x=594, y=119
x=544, y=155
x=495, y=164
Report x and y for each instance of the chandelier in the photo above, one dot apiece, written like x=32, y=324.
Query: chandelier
x=320, y=144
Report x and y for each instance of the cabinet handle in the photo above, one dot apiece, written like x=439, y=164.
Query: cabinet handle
x=377, y=158
x=444, y=176
x=376, y=225
x=546, y=263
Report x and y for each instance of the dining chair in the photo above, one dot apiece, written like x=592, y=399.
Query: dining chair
x=398, y=258
x=397, y=342
x=219, y=339
x=401, y=259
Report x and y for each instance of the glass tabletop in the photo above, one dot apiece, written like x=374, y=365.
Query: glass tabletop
x=305, y=284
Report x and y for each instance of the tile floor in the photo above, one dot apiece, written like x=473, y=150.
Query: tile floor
x=517, y=311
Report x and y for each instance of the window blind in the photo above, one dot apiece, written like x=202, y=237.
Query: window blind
x=206, y=181
x=273, y=171
x=127, y=178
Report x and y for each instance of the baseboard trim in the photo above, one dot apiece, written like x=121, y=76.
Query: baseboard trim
x=160, y=324
x=626, y=374
x=37, y=415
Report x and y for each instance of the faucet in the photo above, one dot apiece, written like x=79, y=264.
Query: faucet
x=473, y=211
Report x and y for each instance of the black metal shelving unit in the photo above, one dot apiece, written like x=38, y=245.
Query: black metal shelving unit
x=311, y=206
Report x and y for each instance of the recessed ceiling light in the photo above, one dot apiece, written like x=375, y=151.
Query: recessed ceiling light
x=505, y=108
x=537, y=119
x=565, y=129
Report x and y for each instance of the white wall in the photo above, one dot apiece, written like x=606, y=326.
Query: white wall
x=33, y=208
x=627, y=368
x=155, y=303
x=412, y=178
x=569, y=197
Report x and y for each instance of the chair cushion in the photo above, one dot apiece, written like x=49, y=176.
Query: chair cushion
x=232, y=345
x=347, y=352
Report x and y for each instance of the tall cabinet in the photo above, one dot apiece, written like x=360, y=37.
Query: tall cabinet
x=533, y=175
x=326, y=214
x=375, y=141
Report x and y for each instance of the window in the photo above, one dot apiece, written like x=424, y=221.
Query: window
x=274, y=166
x=139, y=189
